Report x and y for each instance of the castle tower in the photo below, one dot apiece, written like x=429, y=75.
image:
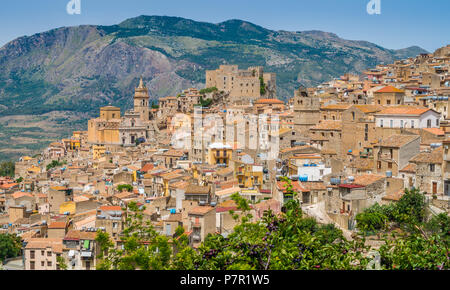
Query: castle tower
x=306, y=110
x=141, y=99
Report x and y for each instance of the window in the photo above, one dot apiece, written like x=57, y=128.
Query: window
x=381, y=123
x=432, y=167
x=42, y=264
x=31, y=254
x=390, y=165
x=401, y=123
x=379, y=164
x=437, y=122
x=42, y=253
x=388, y=102
x=49, y=263
x=412, y=123
x=391, y=123
x=353, y=116
x=429, y=123
x=49, y=254
x=32, y=265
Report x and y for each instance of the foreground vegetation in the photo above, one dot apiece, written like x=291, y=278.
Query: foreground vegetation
x=288, y=241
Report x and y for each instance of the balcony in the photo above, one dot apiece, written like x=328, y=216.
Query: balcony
x=86, y=255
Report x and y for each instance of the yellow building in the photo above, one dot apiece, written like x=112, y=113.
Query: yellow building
x=105, y=129
x=218, y=153
x=98, y=151
x=68, y=207
x=248, y=174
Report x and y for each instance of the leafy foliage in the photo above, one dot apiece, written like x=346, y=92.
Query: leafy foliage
x=284, y=241
x=53, y=164
x=7, y=168
x=10, y=246
x=208, y=90
x=262, y=86
x=122, y=187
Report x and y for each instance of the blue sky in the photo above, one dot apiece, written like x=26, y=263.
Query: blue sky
x=402, y=23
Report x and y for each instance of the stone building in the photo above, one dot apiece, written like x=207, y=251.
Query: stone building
x=429, y=171
x=244, y=86
x=105, y=129
x=393, y=153
x=389, y=96
x=358, y=128
x=306, y=111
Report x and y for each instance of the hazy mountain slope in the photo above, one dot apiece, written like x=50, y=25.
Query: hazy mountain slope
x=81, y=68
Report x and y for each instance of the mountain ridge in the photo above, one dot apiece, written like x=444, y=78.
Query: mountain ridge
x=78, y=69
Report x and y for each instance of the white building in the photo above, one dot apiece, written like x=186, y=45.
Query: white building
x=407, y=117
x=313, y=172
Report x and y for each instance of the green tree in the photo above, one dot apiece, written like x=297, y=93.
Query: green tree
x=208, y=90
x=10, y=246
x=7, y=168
x=262, y=86
x=61, y=262
x=122, y=187
x=372, y=219
x=53, y=164
x=411, y=207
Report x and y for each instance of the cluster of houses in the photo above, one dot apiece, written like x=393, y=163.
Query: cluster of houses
x=345, y=145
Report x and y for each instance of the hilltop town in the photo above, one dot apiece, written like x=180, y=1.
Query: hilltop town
x=344, y=146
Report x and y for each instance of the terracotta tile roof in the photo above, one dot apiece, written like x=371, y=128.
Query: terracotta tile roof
x=124, y=194
x=19, y=194
x=196, y=189
x=340, y=107
x=314, y=185
x=410, y=168
x=362, y=164
x=226, y=191
x=174, y=217
x=110, y=208
x=57, y=225
x=328, y=125
x=201, y=210
x=8, y=186
x=404, y=110
x=389, y=89
x=179, y=184
x=173, y=152
x=269, y=101
x=77, y=235
x=147, y=167
x=172, y=175
x=367, y=179
x=429, y=157
x=43, y=243
x=394, y=196
x=435, y=131
x=296, y=186
x=369, y=108
x=397, y=140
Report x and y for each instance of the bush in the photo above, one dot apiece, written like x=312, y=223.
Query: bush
x=208, y=90
x=122, y=187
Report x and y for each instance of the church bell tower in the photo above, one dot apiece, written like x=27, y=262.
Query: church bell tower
x=141, y=99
